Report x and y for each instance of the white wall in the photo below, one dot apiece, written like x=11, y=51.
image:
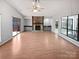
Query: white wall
x=0, y=28
x=28, y=22
x=62, y=8
x=47, y=21
x=6, y=22
x=53, y=24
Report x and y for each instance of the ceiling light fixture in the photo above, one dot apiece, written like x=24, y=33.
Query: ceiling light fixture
x=36, y=6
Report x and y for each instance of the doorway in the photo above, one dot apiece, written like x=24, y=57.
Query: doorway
x=16, y=26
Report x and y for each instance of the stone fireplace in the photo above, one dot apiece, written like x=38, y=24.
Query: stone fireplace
x=38, y=27
x=37, y=23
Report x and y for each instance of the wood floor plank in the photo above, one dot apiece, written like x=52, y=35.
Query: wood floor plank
x=38, y=45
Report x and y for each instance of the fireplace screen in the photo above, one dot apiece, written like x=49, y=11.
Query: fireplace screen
x=37, y=28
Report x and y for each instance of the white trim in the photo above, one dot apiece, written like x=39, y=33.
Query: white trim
x=40, y=26
x=8, y=39
x=5, y=41
x=69, y=39
x=0, y=28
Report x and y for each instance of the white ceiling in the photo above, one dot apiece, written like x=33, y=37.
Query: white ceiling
x=51, y=7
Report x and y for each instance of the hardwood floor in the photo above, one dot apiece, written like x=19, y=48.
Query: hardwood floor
x=38, y=45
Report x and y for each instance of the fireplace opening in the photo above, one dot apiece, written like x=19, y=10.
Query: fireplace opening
x=37, y=27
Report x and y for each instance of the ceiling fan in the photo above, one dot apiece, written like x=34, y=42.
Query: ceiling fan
x=36, y=6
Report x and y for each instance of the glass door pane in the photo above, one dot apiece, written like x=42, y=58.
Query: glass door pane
x=64, y=22
x=64, y=31
x=75, y=22
x=75, y=26
x=70, y=33
x=70, y=27
x=70, y=24
x=64, y=25
x=75, y=35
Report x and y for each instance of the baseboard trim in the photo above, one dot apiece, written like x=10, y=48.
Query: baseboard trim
x=3, y=43
x=76, y=43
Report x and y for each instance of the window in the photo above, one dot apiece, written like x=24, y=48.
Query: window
x=75, y=27
x=64, y=25
x=69, y=26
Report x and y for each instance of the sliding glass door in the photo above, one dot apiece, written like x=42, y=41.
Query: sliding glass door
x=64, y=26
x=75, y=27
x=70, y=27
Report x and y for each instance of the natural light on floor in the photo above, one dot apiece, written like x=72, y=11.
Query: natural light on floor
x=15, y=33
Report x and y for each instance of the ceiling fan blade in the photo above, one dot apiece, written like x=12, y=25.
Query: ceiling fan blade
x=42, y=8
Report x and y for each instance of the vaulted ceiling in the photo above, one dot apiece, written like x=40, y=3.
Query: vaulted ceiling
x=51, y=7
